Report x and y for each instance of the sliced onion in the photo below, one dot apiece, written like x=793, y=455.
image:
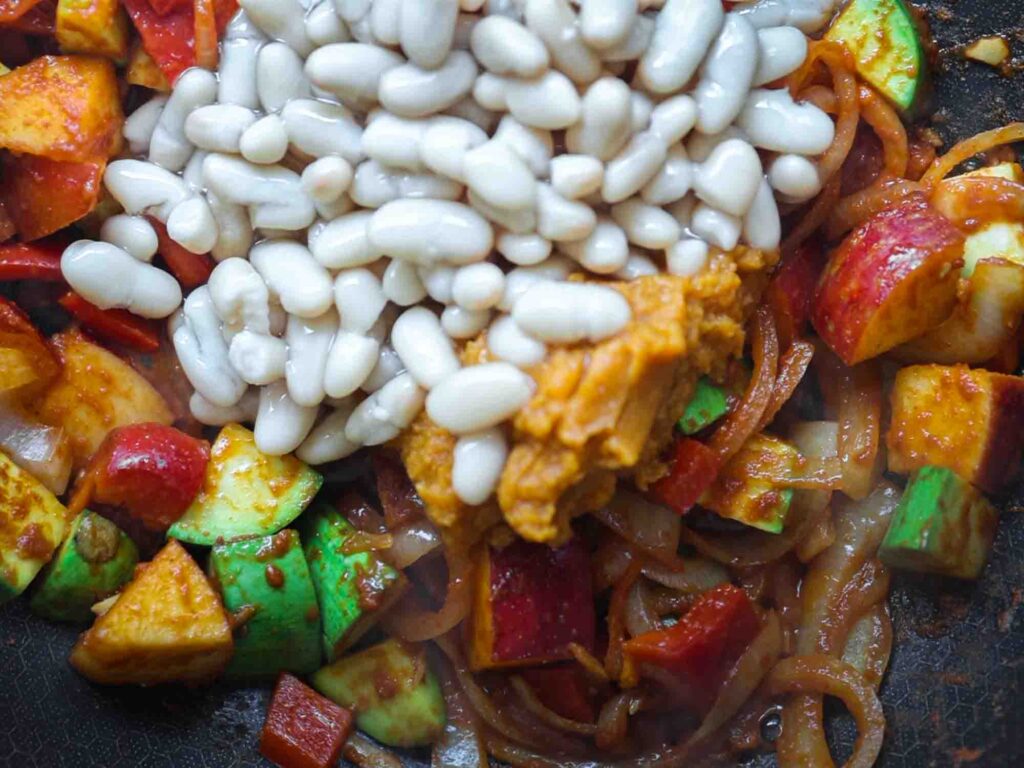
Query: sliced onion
x=869, y=644
x=613, y=721
x=696, y=577
x=362, y=752
x=460, y=745
x=44, y=452
x=546, y=715
x=639, y=616
x=970, y=147
x=412, y=623
x=412, y=542
x=649, y=526
x=858, y=392
x=792, y=367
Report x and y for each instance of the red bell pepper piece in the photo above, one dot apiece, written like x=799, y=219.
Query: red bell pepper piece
x=564, y=690
x=303, y=729
x=152, y=470
x=164, y=7
x=791, y=291
x=694, y=467
x=170, y=39
x=703, y=646
x=113, y=325
x=31, y=261
x=191, y=269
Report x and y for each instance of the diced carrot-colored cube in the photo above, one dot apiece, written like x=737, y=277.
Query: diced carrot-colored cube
x=43, y=196
x=303, y=729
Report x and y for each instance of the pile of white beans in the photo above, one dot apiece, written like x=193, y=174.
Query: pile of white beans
x=378, y=179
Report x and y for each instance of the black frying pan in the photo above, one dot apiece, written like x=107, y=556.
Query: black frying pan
x=954, y=694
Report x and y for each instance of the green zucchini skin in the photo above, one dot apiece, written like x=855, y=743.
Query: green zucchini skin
x=267, y=576
x=708, y=404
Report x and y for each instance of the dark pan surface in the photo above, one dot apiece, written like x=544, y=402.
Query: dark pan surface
x=954, y=694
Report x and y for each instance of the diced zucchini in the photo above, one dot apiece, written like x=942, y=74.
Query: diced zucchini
x=757, y=503
x=943, y=525
x=396, y=698
x=32, y=525
x=353, y=587
x=708, y=404
x=269, y=575
x=246, y=492
x=885, y=42
x=94, y=561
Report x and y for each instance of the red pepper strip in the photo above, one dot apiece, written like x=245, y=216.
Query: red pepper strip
x=791, y=291
x=694, y=468
x=205, y=34
x=303, y=729
x=115, y=325
x=170, y=38
x=191, y=269
x=31, y=261
x=164, y=7
x=702, y=647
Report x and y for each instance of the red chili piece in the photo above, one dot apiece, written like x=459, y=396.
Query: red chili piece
x=191, y=269
x=31, y=261
x=303, y=729
x=694, y=468
x=114, y=325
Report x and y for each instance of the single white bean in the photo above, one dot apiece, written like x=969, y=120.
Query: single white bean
x=687, y=258
x=258, y=358
x=468, y=109
x=684, y=31
x=567, y=313
x=281, y=423
x=265, y=142
x=506, y=341
x=461, y=323
x=351, y=71
x=281, y=20
x=490, y=91
x=327, y=179
x=560, y=219
x=524, y=250
x=604, y=251
x=498, y=175
x=395, y=141
x=351, y=358
x=637, y=266
x=478, y=462
x=761, y=226
x=386, y=22
x=478, y=397
x=402, y=283
x=522, y=221
x=309, y=341
x=385, y=413
x=234, y=230
x=343, y=242
x=549, y=101
x=192, y=175
x=427, y=30
x=319, y=129
x=430, y=231
x=240, y=297
x=794, y=176
x=521, y=279
x=730, y=177
x=774, y=121
x=554, y=22
x=168, y=146
x=273, y=193
x=212, y=415
x=426, y=351
x=505, y=47
x=108, y=277
x=353, y=10
x=673, y=119
x=202, y=351
x=280, y=77
x=218, y=127
x=641, y=108
x=648, y=226
x=443, y=145
x=533, y=145
x=374, y=185
x=411, y=91
x=781, y=51
x=604, y=125
x=672, y=181
x=327, y=441
x=438, y=282
x=142, y=187
x=634, y=44
x=478, y=286
x=605, y=24
x=192, y=226
x=359, y=298
x=576, y=176
x=726, y=75
x=807, y=15
x=716, y=227
x=133, y=234
x=388, y=366
x=324, y=26
x=140, y=124
x=699, y=146
x=637, y=163
x=329, y=211
x=291, y=273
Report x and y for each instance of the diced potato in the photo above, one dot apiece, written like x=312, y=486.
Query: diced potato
x=62, y=107
x=168, y=625
x=142, y=70
x=95, y=392
x=99, y=27
x=43, y=196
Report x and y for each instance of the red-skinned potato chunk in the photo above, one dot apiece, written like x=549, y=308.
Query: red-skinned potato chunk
x=43, y=195
x=891, y=280
x=969, y=421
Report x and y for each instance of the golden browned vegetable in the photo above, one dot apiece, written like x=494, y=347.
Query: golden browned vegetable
x=142, y=70
x=99, y=27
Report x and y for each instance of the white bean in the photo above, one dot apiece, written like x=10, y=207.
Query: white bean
x=461, y=323
x=533, y=145
x=648, y=226
x=273, y=193
x=444, y=144
x=353, y=10
x=730, y=177
x=212, y=415
x=281, y=20
x=240, y=297
x=641, y=108
x=521, y=279
x=234, y=230
x=774, y=121
x=327, y=441
x=133, y=234
x=411, y=91
x=505, y=47
x=559, y=219
x=108, y=277
x=673, y=119
x=402, y=283
x=438, y=282
x=281, y=424
x=349, y=363
x=716, y=227
x=319, y=129
x=327, y=179
x=431, y=231
x=140, y=124
x=672, y=181
x=490, y=91
x=280, y=77
x=427, y=30
x=324, y=26
x=566, y=313
x=687, y=258
x=604, y=125
x=498, y=175
x=637, y=163
x=478, y=397
x=522, y=221
x=478, y=462
x=351, y=71
x=468, y=109
x=329, y=211
x=699, y=146
x=192, y=175
x=726, y=75
x=794, y=176
x=343, y=242
x=202, y=351
x=385, y=413
x=634, y=44
x=524, y=250
x=808, y=15
x=395, y=141
x=506, y=341
x=264, y=142
x=576, y=176
x=374, y=185
x=359, y=298
x=142, y=187
x=554, y=22
x=258, y=358
x=606, y=23
x=478, y=286
x=386, y=21
x=684, y=31
x=761, y=226
x=309, y=341
x=604, y=251
x=291, y=273
x=549, y=101
x=168, y=146
x=781, y=51
x=218, y=127
x=388, y=366
x=637, y=266
x=191, y=225
x=425, y=349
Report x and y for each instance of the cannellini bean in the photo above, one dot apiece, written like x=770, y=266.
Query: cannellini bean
x=191, y=225
x=240, y=297
x=506, y=341
x=604, y=251
x=808, y=15
x=430, y=231
x=343, y=242
x=212, y=415
x=648, y=226
x=168, y=146
x=634, y=44
x=461, y=323
x=411, y=91
x=386, y=412
x=682, y=210
x=192, y=175
x=374, y=185
x=218, y=127
x=280, y=77
x=427, y=30
x=716, y=227
x=524, y=250
x=273, y=193
x=327, y=179
x=395, y=141
x=438, y=282
x=795, y=177
x=672, y=181
x=388, y=366
x=730, y=177
x=566, y=313
x=329, y=211
x=319, y=129
x=522, y=221
x=324, y=26
x=637, y=163
x=309, y=341
x=108, y=277
x=280, y=20
x=351, y=71
x=426, y=351
x=513, y=9
x=402, y=283
x=761, y=226
x=606, y=23
x=490, y=91
x=641, y=108
x=353, y=10
x=258, y=358
x=549, y=101
x=699, y=146
x=673, y=119
x=142, y=187
x=351, y=358
x=281, y=424
x=498, y=175
x=234, y=230
x=291, y=273
x=576, y=176
x=505, y=47
x=443, y=145
x=533, y=145
x=559, y=219
x=359, y=298
x=683, y=32
x=133, y=234
x=386, y=21
x=554, y=22
x=327, y=441
x=726, y=75
x=478, y=286
x=637, y=266
x=264, y=142
x=781, y=51
x=478, y=397
x=774, y=121
x=604, y=125
x=469, y=109
x=202, y=351
x=521, y=279
x=478, y=462
x=687, y=258
x=140, y=124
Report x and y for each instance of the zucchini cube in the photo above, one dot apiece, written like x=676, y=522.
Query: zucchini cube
x=708, y=404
